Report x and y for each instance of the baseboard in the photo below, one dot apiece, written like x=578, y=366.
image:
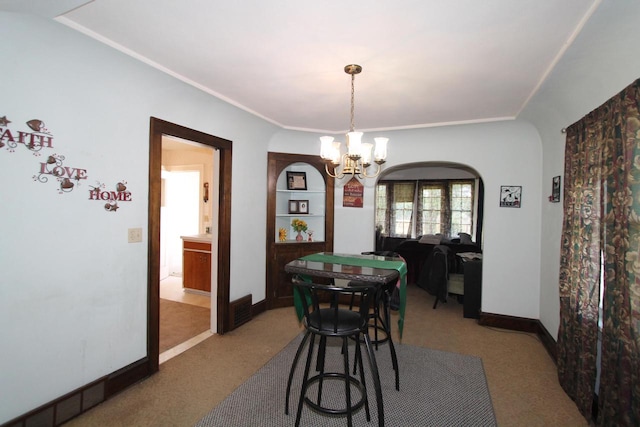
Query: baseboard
x=548, y=341
x=521, y=324
x=76, y=402
x=64, y=408
x=259, y=307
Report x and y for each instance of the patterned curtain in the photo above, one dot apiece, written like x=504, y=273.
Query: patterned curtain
x=602, y=227
x=580, y=266
x=446, y=210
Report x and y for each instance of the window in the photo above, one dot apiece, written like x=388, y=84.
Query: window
x=395, y=208
x=461, y=208
x=406, y=209
x=430, y=207
x=402, y=208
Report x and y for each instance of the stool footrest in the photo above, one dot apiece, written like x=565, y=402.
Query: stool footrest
x=336, y=376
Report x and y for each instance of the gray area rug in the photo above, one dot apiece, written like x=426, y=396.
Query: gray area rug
x=436, y=389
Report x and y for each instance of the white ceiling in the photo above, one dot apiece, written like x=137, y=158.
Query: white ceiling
x=425, y=62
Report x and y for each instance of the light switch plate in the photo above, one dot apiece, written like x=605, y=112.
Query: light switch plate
x=135, y=235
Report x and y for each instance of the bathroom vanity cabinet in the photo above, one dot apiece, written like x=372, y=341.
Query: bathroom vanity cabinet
x=196, y=263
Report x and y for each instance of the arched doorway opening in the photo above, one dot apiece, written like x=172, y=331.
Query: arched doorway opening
x=441, y=172
x=421, y=206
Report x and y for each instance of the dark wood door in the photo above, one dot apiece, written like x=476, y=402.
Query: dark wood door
x=279, y=292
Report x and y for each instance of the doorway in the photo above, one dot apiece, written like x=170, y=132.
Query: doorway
x=186, y=317
x=158, y=130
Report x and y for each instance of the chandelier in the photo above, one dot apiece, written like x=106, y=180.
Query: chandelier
x=358, y=157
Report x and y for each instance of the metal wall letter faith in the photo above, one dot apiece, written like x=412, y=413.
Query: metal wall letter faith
x=35, y=141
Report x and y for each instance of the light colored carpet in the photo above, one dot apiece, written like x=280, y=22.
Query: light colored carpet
x=437, y=388
x=179, y=322
x=522, y=378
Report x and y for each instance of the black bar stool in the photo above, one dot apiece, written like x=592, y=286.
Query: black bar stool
x=326, y=320
x=380, y=316
x=380, y=322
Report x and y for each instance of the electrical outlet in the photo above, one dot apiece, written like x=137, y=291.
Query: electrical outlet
x=135, y=235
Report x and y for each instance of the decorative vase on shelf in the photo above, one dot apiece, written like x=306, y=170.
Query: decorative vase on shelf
x=299, y=226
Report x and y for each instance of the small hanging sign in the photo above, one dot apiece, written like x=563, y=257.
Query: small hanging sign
x=352, y=194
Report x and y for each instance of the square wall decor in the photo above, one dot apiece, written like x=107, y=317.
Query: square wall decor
x=510, y=196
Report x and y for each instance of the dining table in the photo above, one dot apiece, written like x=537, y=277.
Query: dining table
x=374, y=269
x=369, y=268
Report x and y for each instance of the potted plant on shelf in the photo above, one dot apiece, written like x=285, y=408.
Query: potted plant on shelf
x=299, y=226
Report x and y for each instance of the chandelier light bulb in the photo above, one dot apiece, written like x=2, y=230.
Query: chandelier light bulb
x=326, y=147
x=335, y=153
x=354, y=143
x=380, y=152
x=365, y=154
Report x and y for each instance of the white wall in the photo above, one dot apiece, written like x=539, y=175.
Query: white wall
x=504, y=153
x=73, y=303
x=601, y=62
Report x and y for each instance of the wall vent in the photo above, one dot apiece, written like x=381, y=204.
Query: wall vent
x=239, y=311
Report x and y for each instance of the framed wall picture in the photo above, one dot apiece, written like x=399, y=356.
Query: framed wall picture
x=555, y=189
x=298, y=206
x=510, y=196
x=296, y=180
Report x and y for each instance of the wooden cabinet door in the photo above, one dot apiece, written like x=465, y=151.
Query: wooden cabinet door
x=281, y=289
x=196, y=270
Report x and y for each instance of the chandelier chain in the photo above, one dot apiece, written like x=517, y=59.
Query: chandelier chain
x=353, y=78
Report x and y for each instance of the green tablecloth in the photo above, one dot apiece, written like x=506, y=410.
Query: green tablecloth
x=401, y=266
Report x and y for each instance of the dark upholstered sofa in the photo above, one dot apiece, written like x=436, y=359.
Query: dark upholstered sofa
x=416, y=253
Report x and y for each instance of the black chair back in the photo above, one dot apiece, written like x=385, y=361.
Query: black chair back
x=332, y=319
